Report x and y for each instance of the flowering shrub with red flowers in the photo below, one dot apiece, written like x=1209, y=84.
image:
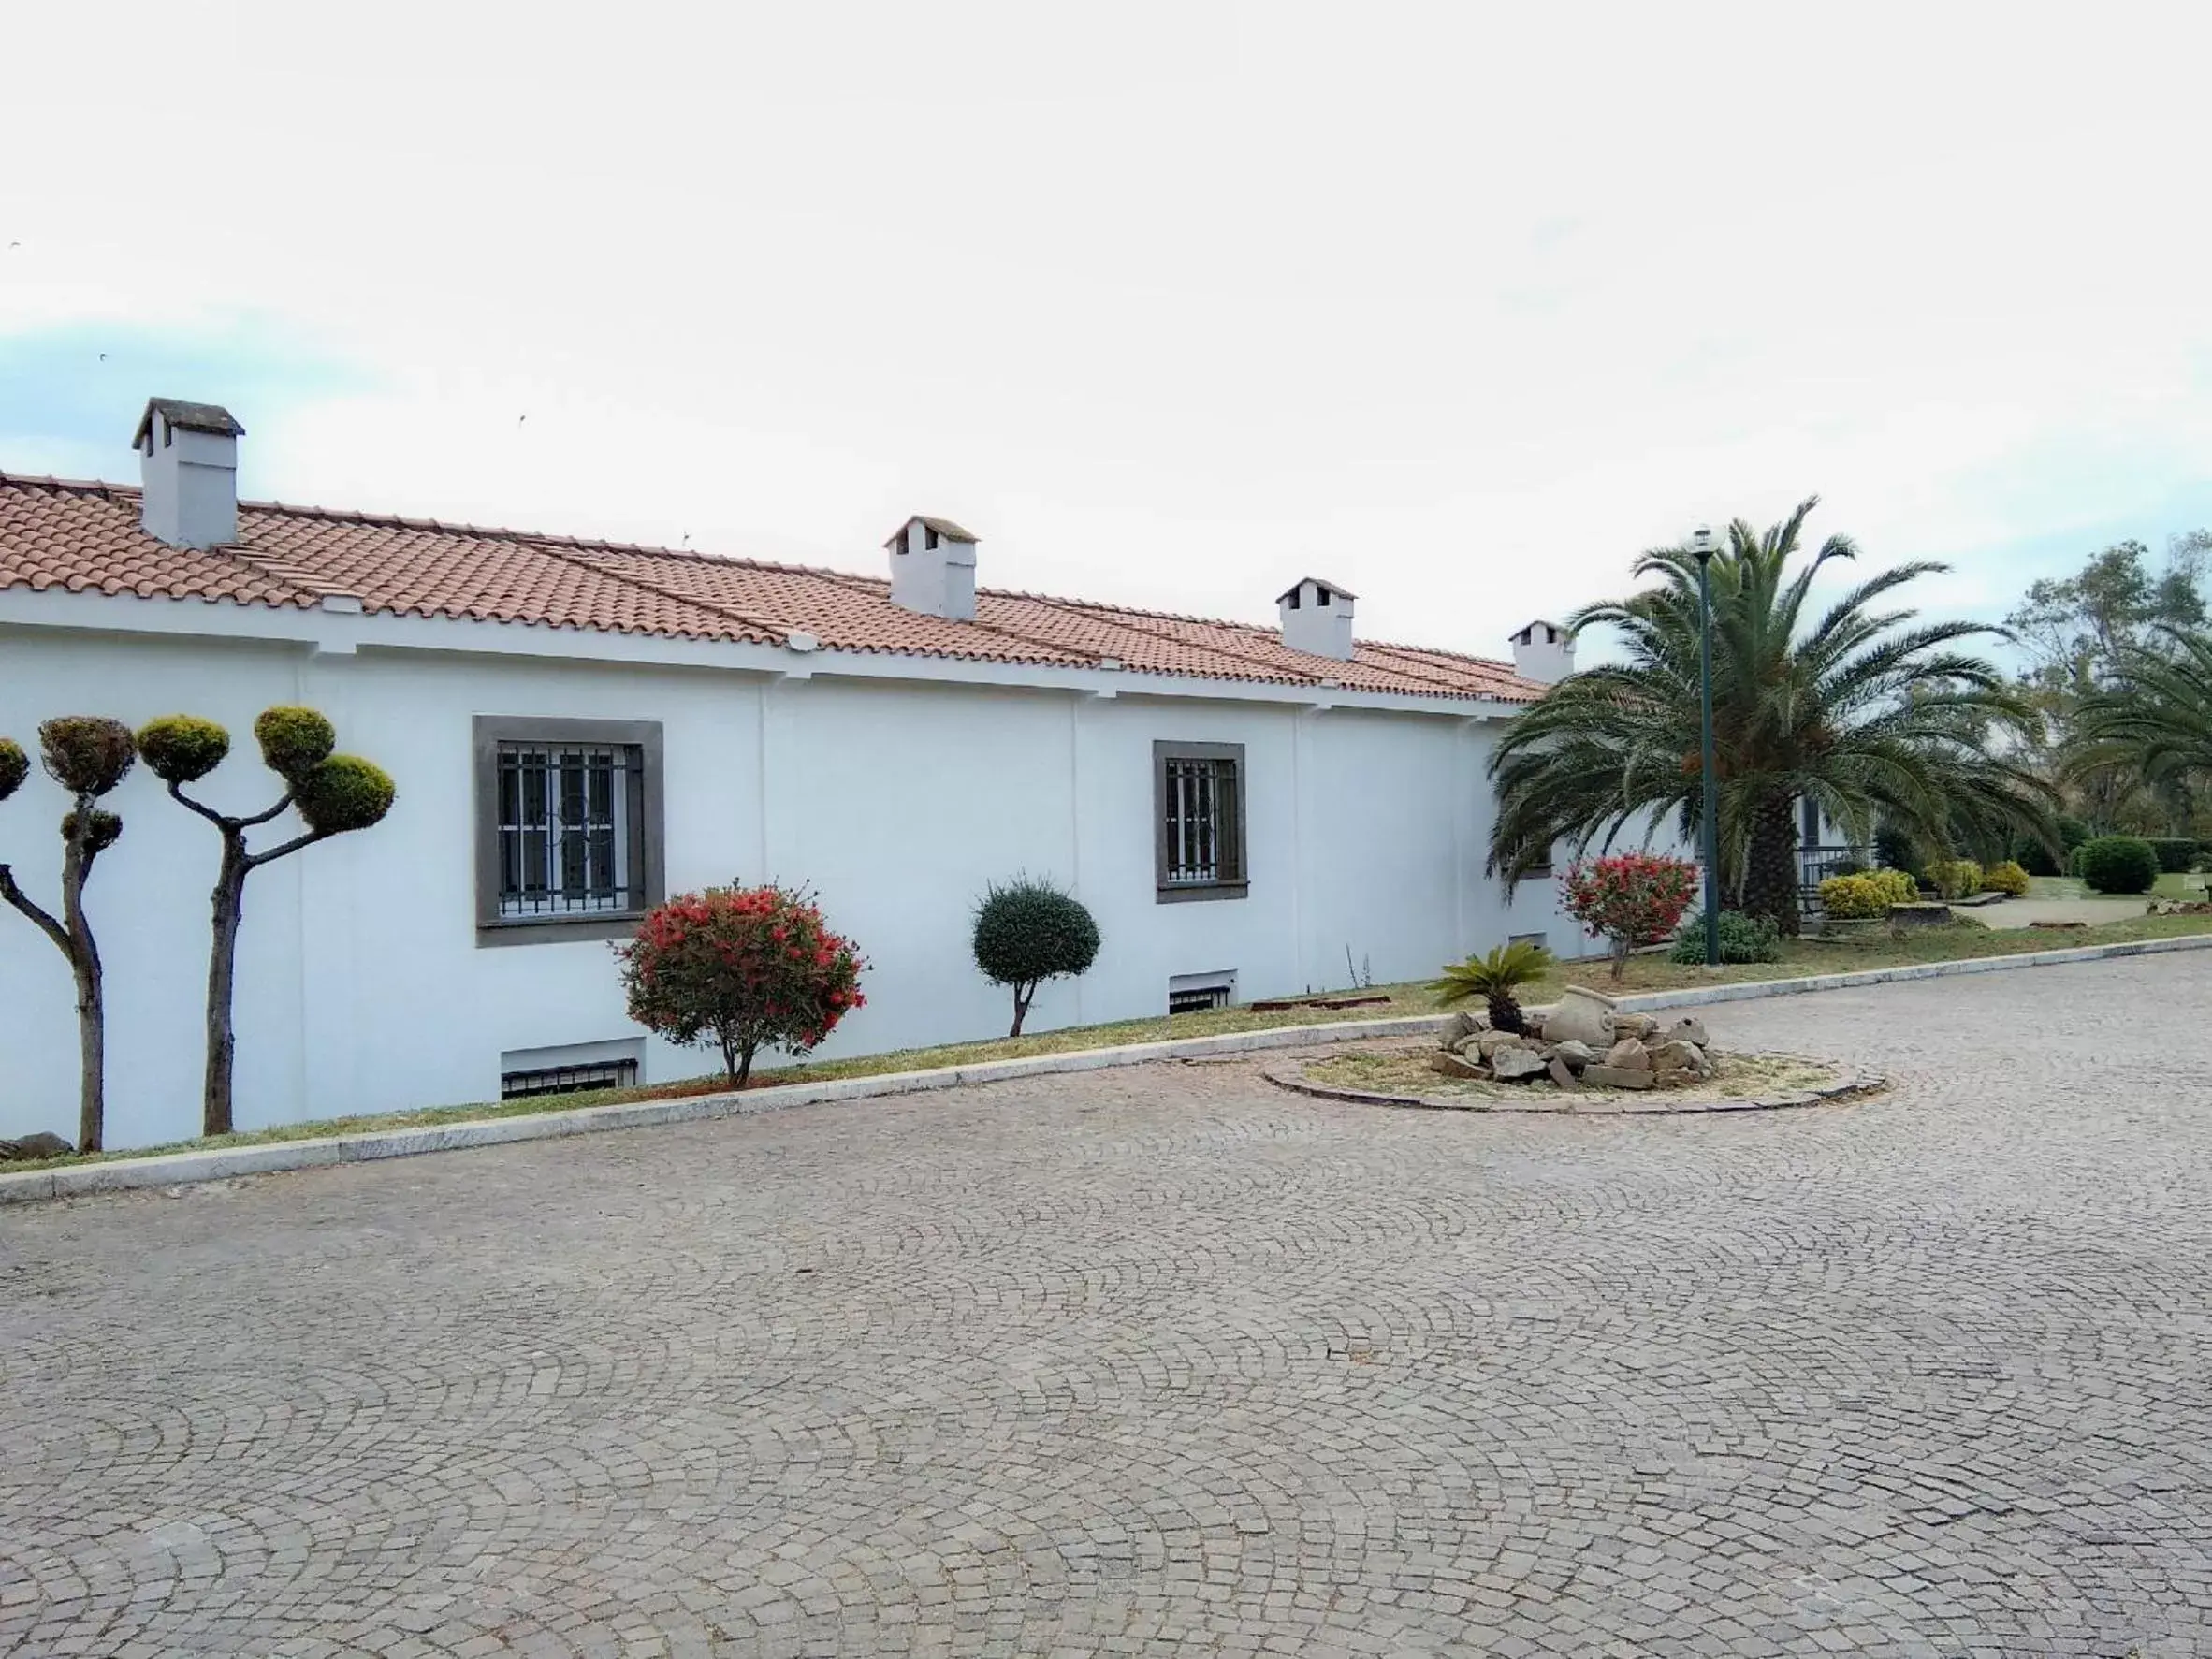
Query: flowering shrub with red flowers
x=741, y=969
x=1633, y=899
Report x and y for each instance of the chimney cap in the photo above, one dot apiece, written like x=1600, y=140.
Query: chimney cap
x=188, y=417
x=944, y=527
x=1527, y=629
x=1337, y=587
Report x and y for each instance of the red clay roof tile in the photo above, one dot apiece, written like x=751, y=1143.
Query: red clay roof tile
x=55, y=533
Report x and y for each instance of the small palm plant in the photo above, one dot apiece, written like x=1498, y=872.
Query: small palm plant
x=1495, y=977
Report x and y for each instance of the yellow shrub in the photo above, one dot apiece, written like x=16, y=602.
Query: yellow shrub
x=2006, y=878
x=1955, y=878
x=1856, y=898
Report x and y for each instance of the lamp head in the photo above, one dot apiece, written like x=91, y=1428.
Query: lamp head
x=1702, y=543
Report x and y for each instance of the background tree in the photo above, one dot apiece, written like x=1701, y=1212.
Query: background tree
x=2083, y=635
x=2152, y=719
x=1029, y=931
x=333, y=794
x=87, y=755
x=743, y=969
x=1865, y=710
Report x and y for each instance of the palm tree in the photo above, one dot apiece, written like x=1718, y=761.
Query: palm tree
x=1495, y=977
x=2154, y=721
x=1868, y=712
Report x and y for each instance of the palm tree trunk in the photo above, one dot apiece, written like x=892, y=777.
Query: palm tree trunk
x=1770, y=865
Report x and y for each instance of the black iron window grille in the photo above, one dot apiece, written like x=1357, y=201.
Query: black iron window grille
x=567, y=827
x=1199, y=824
x=568, y=1080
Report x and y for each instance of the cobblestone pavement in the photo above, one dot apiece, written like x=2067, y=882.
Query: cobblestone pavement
x=1169, y=1361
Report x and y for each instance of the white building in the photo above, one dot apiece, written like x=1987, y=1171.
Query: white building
x=577, y=728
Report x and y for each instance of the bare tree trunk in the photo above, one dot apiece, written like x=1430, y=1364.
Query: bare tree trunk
x=84, y=961
x=1022, y=1001
x=1771, y=864
x=228, y=904
x=1619, y=957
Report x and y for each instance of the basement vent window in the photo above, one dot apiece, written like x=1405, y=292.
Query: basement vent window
x=1542, y=940
x=567, y=1080
x=1194, y=993
x=570, y=1068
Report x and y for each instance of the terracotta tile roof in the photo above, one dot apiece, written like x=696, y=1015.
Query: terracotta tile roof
x=57, y=534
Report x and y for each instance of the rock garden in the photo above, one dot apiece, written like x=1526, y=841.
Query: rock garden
x=1583, y=1054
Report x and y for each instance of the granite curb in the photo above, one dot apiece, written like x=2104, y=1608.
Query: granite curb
x=224, y=1163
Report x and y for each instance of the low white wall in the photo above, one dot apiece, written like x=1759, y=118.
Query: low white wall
x=361, y=987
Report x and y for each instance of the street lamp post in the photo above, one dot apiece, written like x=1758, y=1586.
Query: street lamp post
x=1701, y=543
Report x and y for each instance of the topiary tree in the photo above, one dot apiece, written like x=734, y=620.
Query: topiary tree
x=2118, y=864
x=1029, y=931
x=334, y=794
x=742, y=968
x=88, y=755
x=1633, y=899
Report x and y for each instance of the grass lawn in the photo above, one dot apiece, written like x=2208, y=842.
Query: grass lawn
x=1644, y=973
x=1405, y=1071
x=2074, y=889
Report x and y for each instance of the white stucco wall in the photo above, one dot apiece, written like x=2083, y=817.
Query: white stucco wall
x=361, y=983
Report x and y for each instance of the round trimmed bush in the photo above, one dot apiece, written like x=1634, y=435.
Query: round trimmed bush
x=294, y=740
x=1029, y=931
x=2007, y=878
x=182, y=747
x=87, y=754
x=2118, y=864
x=342, y=793
x=105, y=828
x=15, y=766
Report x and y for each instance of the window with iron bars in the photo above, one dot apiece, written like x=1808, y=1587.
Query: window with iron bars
x=1199, y=829
x=567, y=1080
x=564, y=827
x=568, y=827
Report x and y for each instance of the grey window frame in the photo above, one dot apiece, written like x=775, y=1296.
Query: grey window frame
x=645, y=828
x=1239, y=885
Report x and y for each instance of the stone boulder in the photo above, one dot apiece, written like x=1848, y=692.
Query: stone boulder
x=1689, y=1030
x=1489, y=1043
x=1457, y=1029
x=1511, y=1065
x=1451, y=1065
x=1673, y=1077
x=32, y=1147
x=1638, y=1025
x=1628, y=1055
x=1582, y=1016
x=1677, y=1055
x=1577, y=1055
x=1562, y=1075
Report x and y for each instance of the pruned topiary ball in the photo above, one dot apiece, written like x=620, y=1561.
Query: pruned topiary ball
x=344, y=792
x=1029, y=930
x=294, y=741
x=182, y=747
x=15, y=766
x=106, y=827
x=87, y=754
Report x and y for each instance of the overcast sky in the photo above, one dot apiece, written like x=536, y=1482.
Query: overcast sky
x=1460, y=305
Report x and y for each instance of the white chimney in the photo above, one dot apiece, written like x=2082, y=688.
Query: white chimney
x=188, y=465
x=1317, y=619
x=1543, y=652
x=933, y=569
